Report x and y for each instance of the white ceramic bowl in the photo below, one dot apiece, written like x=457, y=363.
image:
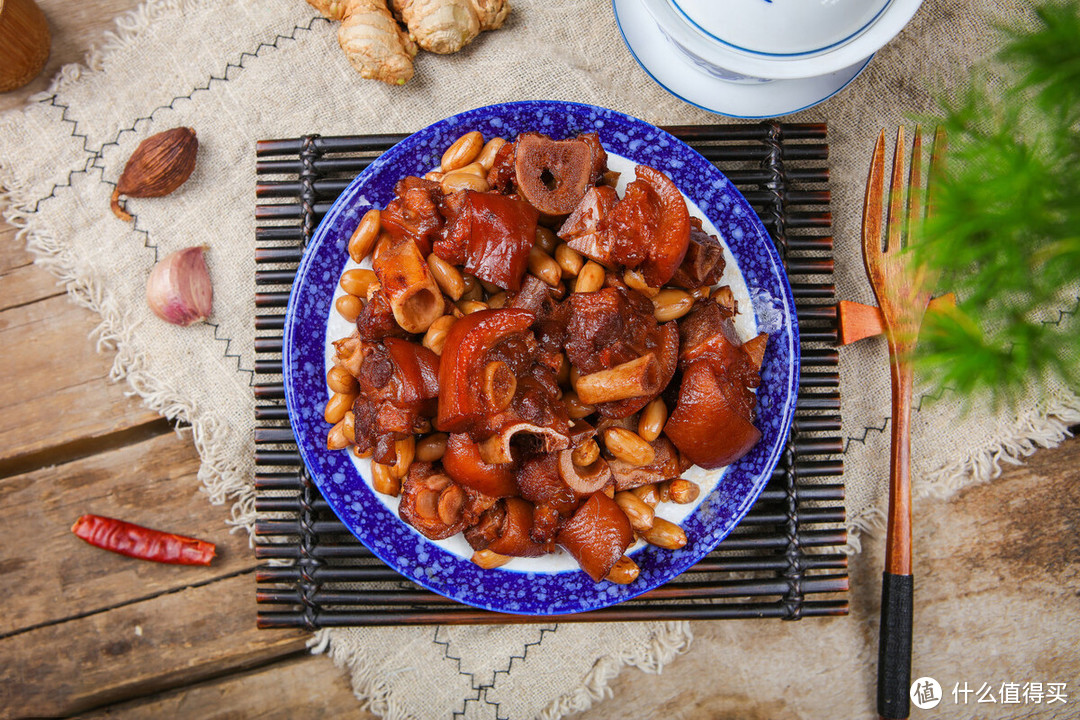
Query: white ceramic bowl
x=779, y=39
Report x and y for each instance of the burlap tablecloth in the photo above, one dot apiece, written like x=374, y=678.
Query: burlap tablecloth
x=243, y=71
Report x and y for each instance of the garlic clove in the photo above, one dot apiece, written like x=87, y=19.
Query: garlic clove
x=179, y=290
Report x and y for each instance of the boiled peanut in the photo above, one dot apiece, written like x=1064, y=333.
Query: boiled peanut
x=335, y=439
x=462, y=151
x=473, y=289
x=590, y=278
x=357, y=281
x=434, y=176
x=475, y=168
x=349, y=307
x=652, y=420
x=431, y=448
x=348, y=426
x=586, y=453
x=406, y=451
x=468, y=307
x=671, y=304
x=546, y=240
x=337, y=406
x=461, y=180
x=648, y=494
x=683, y=491
x=447, y=276
x=489, y=559
x=435, y=337
x=383, y=480
x=498, y=300
x=637, y=511
x=385, y=240
x=364, y=237
x=569, y=259
x=624, y=571
x=701, y=293
x=362, y=454
x=628, y=446
x=340, y=381
x=489, y=287
x=576, y=409
x=544, y=266
x=665, y=534
x=575, y=375
x=563, y=376
x=490, y=150
x=636, y=281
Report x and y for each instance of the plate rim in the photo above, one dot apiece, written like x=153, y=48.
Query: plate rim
x=309, y=454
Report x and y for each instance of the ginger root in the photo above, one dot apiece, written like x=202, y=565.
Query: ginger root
x=379, y=49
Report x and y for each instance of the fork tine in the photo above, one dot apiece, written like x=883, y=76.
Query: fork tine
x=937, y=166
x=872, y=204
x=896, y=195
x=915, y=195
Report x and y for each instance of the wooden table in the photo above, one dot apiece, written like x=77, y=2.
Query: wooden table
x=84, y=631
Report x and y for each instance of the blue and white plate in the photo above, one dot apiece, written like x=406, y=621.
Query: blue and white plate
x=550, y=585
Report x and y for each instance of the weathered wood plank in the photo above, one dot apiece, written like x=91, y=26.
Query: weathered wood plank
x=27, y=284
x=299, y=688
x=151, y=483
x=170, y=641
x=54, y=387
x=74, y=26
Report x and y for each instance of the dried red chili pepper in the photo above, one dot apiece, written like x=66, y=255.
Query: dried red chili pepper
x=142, y=543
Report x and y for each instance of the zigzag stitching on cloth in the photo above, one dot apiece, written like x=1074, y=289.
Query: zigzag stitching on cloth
x=1063, y=313
x=209, y=83
x=866, y=430
x=457, y=660
x=510, y=666
x=67, y=182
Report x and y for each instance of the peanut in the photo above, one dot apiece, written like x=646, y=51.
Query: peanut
x=569, y=259
x=652, y=420
x=461, y=180
x=432, y=447
x=723, y=297
x=348, y=426
x=462, y=152
x=665, y=534
x=337, y=406
x=335, y=439
x=434, y=176
x=701, y=293
x=576, y=409
x=349, y=307
x=489, y=287
x=590, y=278
x=468, y=307
x=340, y=381
x=544, y=266
x=546, y=240
x=637, y=511
x=383, y=480
x=648, y=494
x=563, y=376
x=435, y=337
x=361, y=453
x=683, y=491
x=475, y=168
x=624, y=571
x=357, y=281
x=364, y=237
x=406, y=451
x=447, y=276
x=586, y=453
x=489, y=559
x=628, y=446
x=490, y=150
x=498, y=300
x=671, y=304
x=473, y=289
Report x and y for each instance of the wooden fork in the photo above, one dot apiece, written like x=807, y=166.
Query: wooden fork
x=902, y=295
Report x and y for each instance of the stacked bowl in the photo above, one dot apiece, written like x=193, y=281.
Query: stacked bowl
x=758, y=58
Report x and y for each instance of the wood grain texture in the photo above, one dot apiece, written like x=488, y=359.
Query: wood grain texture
x=169, y=641
x=152, y=483
x=304, y=687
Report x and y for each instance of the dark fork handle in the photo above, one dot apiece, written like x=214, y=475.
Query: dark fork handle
x=894, y=648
